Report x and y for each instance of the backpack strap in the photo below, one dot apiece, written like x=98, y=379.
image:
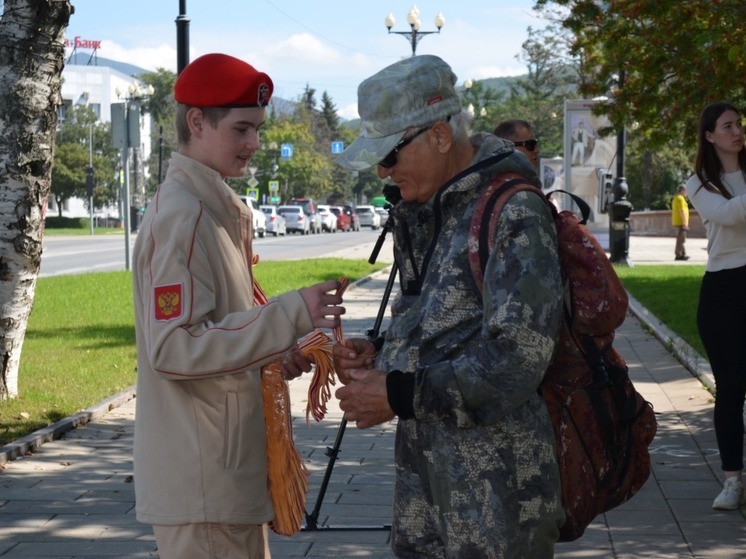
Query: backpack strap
x=486, y=213
x=585, y=209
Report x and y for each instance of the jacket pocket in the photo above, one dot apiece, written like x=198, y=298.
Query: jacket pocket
x=232, y=432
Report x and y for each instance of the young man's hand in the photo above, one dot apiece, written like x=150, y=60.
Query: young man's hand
x=322, y=304
x=294, y=364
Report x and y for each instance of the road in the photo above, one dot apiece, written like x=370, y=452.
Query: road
x=102, y=253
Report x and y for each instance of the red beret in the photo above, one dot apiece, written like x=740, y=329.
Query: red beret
x=219, y=80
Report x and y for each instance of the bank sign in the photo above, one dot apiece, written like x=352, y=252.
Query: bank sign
x=79, y=43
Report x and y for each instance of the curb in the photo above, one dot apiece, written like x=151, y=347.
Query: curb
x=31, y=442
x=692, y=361
x=365, y=279
x=689, y=358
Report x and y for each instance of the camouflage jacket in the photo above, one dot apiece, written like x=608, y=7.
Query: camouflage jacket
x=476, y=468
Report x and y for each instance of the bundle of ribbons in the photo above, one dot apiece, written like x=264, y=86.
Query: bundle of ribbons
x=286, y=472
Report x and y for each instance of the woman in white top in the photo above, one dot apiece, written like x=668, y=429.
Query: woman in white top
x=717, y=191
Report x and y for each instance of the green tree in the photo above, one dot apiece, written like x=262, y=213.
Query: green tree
x=483, y=103
x=367, y=184
x=69, y=173
x=662, y=60
x=306, y=174
x=345, y=183
x=654, y=174
x=160, y=105
x=162, y=108
x=329, y=115
x=538, y=96
x=342, y=179
x=82, y=141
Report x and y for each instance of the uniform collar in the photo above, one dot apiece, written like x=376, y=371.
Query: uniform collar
x=209, y=186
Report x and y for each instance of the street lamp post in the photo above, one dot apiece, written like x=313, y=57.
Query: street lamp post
x=125, y=132
x=182, y=38
x=619, y=206
x=414, y=34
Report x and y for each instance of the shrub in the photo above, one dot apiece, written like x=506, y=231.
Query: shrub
x=58, y=222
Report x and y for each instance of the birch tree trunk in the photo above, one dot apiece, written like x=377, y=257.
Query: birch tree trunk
x=32, y=55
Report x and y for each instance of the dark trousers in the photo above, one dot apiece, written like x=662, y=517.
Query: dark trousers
x=721, y=321
x=680, y=249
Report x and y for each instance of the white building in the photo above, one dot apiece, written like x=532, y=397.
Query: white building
x=99, y=83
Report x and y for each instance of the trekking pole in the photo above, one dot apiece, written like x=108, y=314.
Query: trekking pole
x=333, y=451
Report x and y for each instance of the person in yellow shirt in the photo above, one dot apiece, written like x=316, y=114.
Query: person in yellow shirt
x=680, y=220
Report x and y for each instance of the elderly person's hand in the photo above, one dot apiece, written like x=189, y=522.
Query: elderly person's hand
x=355, y=353
x=364, y=398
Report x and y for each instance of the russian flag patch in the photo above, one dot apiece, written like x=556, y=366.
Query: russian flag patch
x=168, y=301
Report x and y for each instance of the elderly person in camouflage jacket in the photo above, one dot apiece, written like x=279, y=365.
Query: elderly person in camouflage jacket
x=476, y=470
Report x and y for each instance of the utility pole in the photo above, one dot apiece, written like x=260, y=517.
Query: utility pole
x=89, y=174
x=125, y=129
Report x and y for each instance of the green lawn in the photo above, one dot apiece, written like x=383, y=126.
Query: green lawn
x=670, y=293
x=80, y=342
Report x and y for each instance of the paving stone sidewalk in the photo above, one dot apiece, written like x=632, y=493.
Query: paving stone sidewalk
x=73, y=498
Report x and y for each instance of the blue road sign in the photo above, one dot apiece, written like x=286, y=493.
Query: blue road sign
x=338, y=147
x=286, y=151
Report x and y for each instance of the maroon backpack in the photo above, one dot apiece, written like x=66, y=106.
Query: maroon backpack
x=602, y=425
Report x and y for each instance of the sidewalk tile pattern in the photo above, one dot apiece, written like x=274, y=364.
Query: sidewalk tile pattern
x=73, y=498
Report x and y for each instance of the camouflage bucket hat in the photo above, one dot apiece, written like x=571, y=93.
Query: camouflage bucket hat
x=411, y=93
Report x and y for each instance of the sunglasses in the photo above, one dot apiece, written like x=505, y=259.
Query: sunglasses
x=530, y=145
x=390, y=159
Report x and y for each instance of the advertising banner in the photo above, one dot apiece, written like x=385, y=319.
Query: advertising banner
x=589, y=157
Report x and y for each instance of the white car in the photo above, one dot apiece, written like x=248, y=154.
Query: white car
x=328, y=218
x=384, y=215
x=368, y=217
x=296, y=219
x=260, y=222
x=275, y=220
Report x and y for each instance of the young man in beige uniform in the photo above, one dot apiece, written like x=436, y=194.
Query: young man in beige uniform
x=200, y=457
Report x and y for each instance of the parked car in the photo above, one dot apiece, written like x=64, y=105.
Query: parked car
x=296, y=220
x=310, y=209
x=384, y=215
x=354, y=219
x=307, y=204
x=275, y=220
x=368, y=217
x=328, y=219
x=260, y=222
x=343, y=219
x=316, y=225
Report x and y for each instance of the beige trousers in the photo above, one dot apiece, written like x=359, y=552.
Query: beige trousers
x=212, y=541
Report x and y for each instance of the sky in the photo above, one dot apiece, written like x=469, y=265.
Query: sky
x=330, y=46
